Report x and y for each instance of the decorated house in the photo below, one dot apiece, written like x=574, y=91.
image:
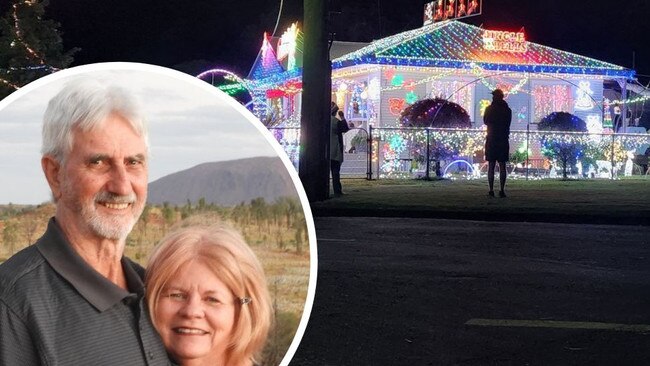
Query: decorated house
x=461, y=63
x=452, y=60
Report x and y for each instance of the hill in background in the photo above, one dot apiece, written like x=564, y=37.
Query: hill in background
x=225, y=183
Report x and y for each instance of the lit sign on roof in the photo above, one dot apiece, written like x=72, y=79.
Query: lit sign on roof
x=504, y=41
x=439, y=10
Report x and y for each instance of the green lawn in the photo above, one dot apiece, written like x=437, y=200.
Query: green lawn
x=621, y=200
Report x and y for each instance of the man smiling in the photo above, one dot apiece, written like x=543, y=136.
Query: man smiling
x=73, y=298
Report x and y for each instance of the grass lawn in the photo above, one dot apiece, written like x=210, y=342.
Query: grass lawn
x=602, y=201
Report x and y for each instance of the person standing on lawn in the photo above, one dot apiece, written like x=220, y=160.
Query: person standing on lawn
x=338, y=126
x=497, y=118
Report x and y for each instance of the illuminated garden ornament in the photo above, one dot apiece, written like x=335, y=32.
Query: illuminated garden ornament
x=595, y=127
x=584, y=100
x=607, y=119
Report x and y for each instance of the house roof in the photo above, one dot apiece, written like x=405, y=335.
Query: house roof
x=342, y=48
x=453, y=44
x=266, y=62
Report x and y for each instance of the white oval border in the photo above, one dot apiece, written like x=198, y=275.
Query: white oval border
x=132, y=66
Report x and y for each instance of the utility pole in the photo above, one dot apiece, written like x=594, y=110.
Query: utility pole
x=316, y=97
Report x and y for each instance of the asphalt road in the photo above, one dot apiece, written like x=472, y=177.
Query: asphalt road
x=397, y=291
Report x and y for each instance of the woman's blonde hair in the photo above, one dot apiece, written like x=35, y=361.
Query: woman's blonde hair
x=225, y=252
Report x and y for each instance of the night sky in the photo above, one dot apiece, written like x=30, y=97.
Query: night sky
x=194, y=35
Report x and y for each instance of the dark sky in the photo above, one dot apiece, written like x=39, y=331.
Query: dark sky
x=227, y=33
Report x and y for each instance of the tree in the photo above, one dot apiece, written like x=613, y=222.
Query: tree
x=259, y=210
x=566, y=149
x=30, y=45
x=436, y=113
x=169, y=215
x=202, y=204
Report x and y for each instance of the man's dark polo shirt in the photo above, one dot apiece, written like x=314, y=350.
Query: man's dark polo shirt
x=57, y=310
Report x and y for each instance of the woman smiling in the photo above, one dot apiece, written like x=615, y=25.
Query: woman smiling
x=207, y=295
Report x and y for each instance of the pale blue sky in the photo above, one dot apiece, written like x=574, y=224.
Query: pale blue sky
x=189, y=123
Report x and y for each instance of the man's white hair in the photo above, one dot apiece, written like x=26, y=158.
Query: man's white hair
x=85, y=103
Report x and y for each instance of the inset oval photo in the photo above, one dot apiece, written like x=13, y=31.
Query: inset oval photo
x=147, y=218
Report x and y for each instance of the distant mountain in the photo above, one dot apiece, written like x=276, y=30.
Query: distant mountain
x=225, y=183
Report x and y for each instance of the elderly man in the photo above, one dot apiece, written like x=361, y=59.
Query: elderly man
x=72, y=298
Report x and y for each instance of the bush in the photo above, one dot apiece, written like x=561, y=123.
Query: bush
x=436, y=113
x=565, y=149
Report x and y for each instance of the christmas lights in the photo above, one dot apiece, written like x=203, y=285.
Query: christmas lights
x=450, y=60
x=266, y=63
x=288, y=45
x=238, y=86
x=454, y=44
x=33, y=58
x=19, y=33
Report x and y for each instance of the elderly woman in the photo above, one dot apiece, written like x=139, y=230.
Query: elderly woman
x=207, y=295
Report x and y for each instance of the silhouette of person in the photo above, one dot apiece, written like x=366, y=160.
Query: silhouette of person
x=497, y=118
x=338, y=126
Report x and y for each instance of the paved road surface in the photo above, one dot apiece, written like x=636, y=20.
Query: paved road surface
x=442, y=292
